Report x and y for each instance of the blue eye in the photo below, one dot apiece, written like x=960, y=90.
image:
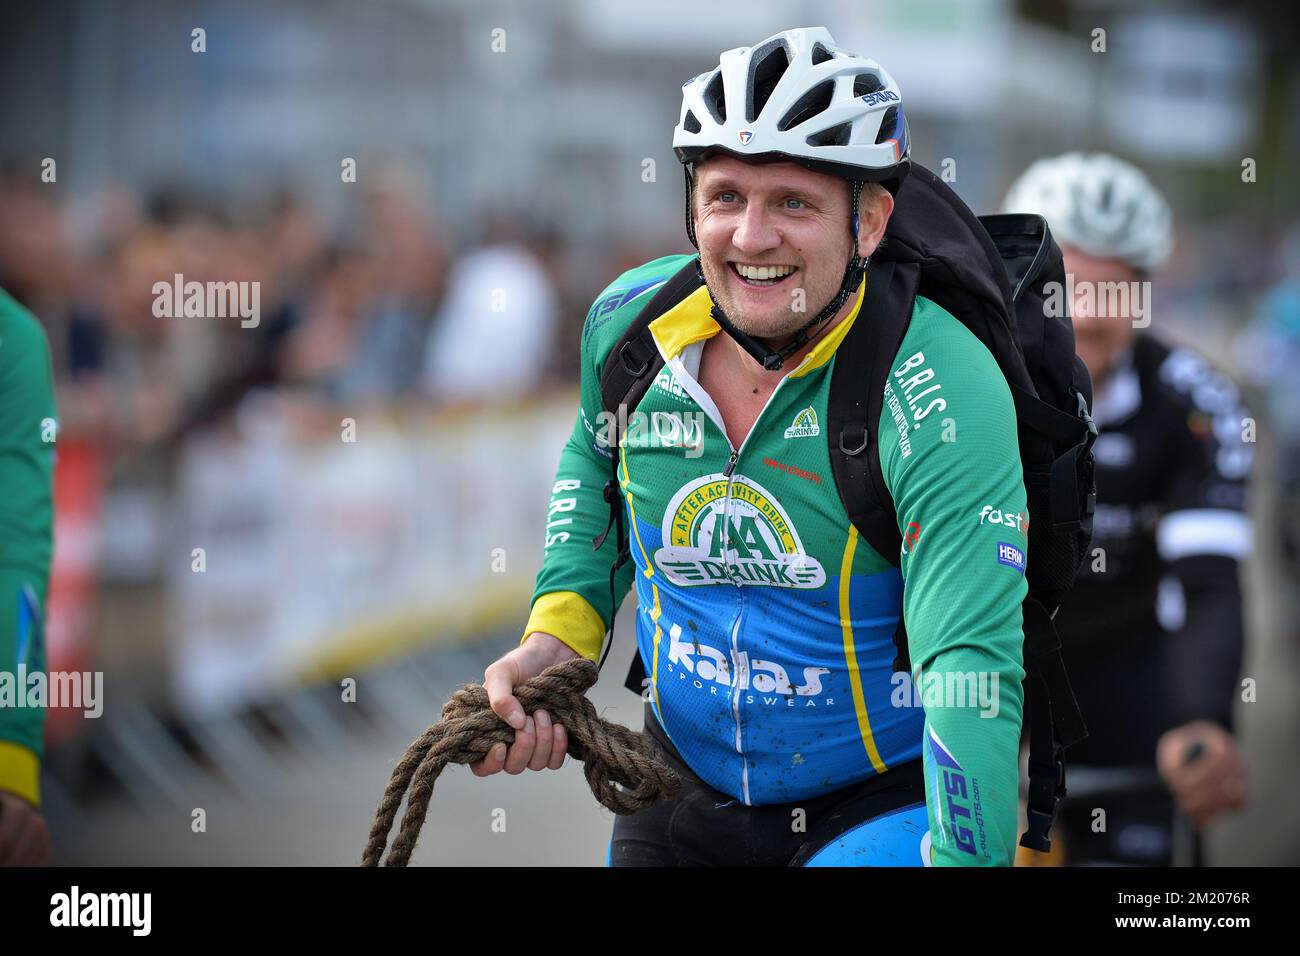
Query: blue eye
x=794, y=200
x=722, y=197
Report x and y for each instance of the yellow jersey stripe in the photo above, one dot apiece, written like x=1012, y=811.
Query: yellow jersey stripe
x=691, y=321
x=20, y=772
x=821, y=353
x=851, y=654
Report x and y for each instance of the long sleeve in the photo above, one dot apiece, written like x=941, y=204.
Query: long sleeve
x=950, y=457
x=27, y=425
x=572, y=597
x=1203, y=535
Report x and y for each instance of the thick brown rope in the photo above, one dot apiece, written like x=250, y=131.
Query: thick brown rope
x=625, y=769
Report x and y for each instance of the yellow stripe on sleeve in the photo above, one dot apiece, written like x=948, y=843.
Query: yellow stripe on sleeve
x=20, y=772
x=568, y=616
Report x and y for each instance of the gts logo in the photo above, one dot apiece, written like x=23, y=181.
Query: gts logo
x=954, y=787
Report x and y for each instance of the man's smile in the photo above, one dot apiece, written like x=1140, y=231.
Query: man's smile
x=762, y=276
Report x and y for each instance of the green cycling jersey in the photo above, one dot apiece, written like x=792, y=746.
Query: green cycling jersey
x=765, y=623
x=27, y=427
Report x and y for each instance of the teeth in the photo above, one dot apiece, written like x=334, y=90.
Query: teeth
x=764, y=272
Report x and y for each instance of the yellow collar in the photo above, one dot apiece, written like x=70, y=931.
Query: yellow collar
x=690, y=321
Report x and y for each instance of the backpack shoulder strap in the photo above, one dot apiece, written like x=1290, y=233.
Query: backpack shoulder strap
x=862, y=365
x=630, y=368
x=634, y=361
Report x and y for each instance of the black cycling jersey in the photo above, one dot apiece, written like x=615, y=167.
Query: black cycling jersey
x=1152, y=630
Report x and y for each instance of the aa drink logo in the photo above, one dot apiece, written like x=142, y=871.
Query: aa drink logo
x=804, y=425
x=717, y=532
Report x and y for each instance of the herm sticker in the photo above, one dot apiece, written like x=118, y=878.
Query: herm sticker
x=1011, y=556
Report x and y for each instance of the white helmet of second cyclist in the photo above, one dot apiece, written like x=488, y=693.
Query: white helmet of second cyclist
x=1098, y=204
x=797, y=94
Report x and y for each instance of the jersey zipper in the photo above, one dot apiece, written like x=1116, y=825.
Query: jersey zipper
x=711, y=410
x=739, y=661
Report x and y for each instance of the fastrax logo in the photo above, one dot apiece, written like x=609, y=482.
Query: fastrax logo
x=72, y=909
x=1012, y=519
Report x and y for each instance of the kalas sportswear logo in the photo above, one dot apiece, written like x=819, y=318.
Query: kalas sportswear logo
x=732, y=668
x=718, y=532
x=804, y=425
x=667, y=382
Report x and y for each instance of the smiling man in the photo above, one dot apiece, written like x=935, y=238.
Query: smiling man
x=771, y=238
x=765, y=624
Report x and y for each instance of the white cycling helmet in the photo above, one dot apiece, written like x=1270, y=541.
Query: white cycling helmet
x=797, y=95
x=1099, y=204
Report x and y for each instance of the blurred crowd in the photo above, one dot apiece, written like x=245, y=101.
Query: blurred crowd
x=389, y=305
x=376, y=307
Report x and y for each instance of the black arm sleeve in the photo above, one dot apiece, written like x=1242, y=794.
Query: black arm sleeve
x=1205, y=666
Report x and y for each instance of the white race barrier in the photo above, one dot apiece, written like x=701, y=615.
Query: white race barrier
x=301, y=558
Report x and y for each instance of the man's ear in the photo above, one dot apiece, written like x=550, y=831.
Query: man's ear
x=874, y=209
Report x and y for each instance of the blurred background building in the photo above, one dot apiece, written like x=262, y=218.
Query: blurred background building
x=355, y=487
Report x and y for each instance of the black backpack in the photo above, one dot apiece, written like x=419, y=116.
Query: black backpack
x=993, y=273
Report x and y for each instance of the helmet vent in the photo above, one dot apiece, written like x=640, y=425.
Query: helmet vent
x=766, y=67
x=820, y=54
x=715, y=99
x=812, y=103
x=888, y=125
x=691, y=124
x=865, y=83
x=835, y=136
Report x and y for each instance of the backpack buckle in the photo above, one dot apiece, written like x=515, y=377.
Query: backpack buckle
x=611, y=495
x=626, y=356
x=853, y=438
x=1046, y=790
